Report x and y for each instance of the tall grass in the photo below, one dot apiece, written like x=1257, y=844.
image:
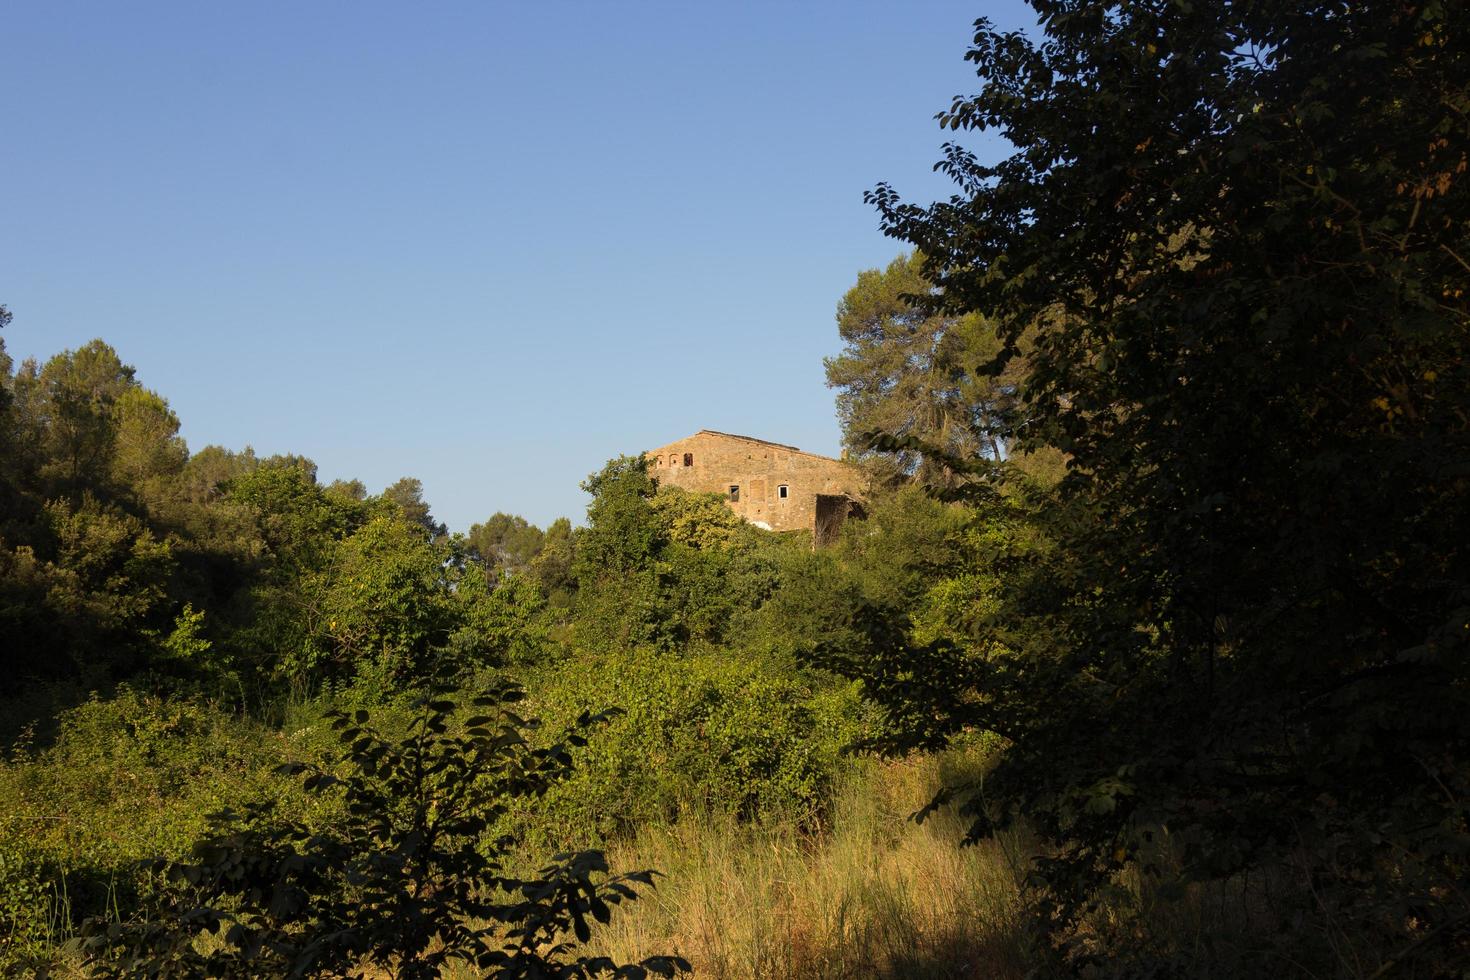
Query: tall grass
x=874, y=895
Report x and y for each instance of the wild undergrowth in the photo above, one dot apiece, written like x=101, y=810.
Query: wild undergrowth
x=871, y=894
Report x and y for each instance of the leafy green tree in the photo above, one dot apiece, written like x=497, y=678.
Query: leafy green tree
x=298, y=522
x=1240, y=232
x=908, y=542
x=615, y=558
x=622, y=534
x=87, y=599
x=655, y=566
x=502, y=622
x=404, y=883
x=699, y=520
x=408, y=494
x=552, y=566
x=207, y=473
x=80, y=390
x=291, y=530
x=13, y=438
x=147, y=448
x=25, y=438
x=506, y=541
x=383, y=597
x=909, y=369
x=351, y=489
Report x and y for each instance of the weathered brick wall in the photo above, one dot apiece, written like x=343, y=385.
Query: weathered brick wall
x=759, y=469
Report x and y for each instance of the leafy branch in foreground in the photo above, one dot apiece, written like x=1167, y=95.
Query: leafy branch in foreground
x=403, y=881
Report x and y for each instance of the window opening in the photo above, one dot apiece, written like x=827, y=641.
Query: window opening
x=688, y=459
x=781, y=491
x=734, y=493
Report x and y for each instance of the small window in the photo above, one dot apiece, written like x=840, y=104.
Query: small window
x=782, y=491
x=673, y=460
x=688, y=459
x=734, y=494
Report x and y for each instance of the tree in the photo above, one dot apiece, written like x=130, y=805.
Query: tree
x=298, y=522
x=403, y=883
x=82, y=604
x=623, y=534
x=408, y=494
x=615, y=558
x=6, y=362
x=383, y=598
x=208, y=472
x=502, y=621
x=351, y=489
x=77, y=392
x=147, y=444
x=908, y=369
x=1241, y=233
x=506, y=542
x=655, y=566
x=700, y=521
x=10, y=441
x=552, y=566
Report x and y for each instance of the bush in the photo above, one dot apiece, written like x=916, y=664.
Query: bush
x=126, y=778
x=404, y=880
x=714, y=730
x=26, y=902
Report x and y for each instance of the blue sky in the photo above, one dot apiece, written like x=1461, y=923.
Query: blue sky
x=486, y=245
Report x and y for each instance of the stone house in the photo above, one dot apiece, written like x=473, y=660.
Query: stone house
x=771, y=485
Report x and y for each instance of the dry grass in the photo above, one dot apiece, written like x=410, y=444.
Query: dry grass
x=873, y=896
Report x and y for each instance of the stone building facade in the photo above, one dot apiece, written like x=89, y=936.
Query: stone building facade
x=773, y=486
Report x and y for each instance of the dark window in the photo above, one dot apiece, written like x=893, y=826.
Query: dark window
x=734, y=493
x=688, y=459
x=781, y=491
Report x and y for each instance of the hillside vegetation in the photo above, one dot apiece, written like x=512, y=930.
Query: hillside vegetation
x=1157, y=626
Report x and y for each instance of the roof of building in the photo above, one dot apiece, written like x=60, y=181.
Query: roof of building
x=758, y=442
x=763, y=442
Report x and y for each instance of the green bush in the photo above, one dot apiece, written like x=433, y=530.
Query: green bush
x=126, y=778
x=712, y=729
x=404, y=881
x=27, y=904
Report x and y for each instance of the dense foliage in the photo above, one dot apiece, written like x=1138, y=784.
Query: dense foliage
x=402, y=882
x=908, y=368
x=1241, y=651
x=179, y=626
x=1171, y=413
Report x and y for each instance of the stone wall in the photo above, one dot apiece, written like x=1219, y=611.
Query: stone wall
x=717, y=462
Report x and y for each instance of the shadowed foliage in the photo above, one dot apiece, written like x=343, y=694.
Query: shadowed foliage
x=403, y=882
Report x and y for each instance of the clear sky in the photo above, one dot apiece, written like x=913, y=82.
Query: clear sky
x=489, y=245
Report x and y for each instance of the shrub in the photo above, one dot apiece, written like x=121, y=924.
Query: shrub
x=717, y=730
x=404, y=880
x=126, y=778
